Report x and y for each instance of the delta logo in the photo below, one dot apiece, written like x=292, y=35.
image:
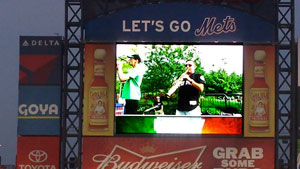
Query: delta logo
x=38, y=160
x=40, y=43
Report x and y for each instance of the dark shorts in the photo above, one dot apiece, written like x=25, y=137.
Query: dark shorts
x=131, y=107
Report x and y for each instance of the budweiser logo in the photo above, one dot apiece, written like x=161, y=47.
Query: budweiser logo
x=121, y=157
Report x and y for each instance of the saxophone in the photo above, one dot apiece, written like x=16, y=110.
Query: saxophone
x=176, y=84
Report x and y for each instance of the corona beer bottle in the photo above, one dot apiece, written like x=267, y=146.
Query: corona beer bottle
x=98, y=115
x=259, y=96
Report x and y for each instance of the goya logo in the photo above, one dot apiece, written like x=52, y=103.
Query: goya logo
x=37, y=156
x=35, y=109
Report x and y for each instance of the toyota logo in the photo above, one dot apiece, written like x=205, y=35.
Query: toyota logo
x=37, y=156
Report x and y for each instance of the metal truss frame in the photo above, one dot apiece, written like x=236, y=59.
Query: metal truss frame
x=286, y=87
x=72, y=101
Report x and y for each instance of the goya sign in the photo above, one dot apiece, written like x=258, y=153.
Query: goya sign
x=39, y=110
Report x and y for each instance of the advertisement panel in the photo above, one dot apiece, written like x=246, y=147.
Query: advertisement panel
x=99, y=89
x=40, y=85
x=183, y=152
x=192, y=22
x=259, y=87
x=40, y=60
x=39, y=110
x=38, y=152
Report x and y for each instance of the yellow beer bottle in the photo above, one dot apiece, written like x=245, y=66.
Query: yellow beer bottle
x=98, y=115
x=259, y=96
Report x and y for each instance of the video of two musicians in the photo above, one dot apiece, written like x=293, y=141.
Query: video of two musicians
x=171, y=80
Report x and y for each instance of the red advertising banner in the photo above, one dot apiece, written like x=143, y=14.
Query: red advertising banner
x=172, y=152
x=38, y=152
x=40, y=60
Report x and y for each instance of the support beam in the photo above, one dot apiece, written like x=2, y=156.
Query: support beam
x=71, y=122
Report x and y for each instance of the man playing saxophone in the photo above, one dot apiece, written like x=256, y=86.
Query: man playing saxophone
x=190, y=84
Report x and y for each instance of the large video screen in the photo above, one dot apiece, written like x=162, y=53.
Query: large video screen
x=179, y=88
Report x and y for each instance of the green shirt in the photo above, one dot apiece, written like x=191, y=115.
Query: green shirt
x=131, y=89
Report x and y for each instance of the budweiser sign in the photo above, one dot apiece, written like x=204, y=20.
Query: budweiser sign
x=177, y=159
x=177, y=153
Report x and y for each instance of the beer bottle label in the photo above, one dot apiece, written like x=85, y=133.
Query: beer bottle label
x=259, y=115
x=97, y=107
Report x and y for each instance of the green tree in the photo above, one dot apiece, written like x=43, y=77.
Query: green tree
x=165, y=64
x=221, y=82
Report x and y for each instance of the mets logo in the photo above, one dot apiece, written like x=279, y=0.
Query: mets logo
x=37, y=156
